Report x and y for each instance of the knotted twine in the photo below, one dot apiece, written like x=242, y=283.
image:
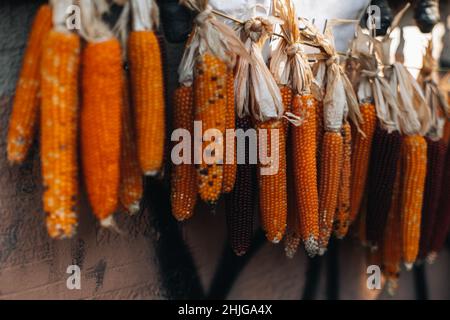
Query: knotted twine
x=436, y=102
x=372, y=83
x=339, y=99
x=209, y=35
x=289, y=64
x=257, y=93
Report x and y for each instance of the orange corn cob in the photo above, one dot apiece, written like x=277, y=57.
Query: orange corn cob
x=414, y=167
x=131, y=184
x=392, y=246
x=101, y=125
x=320, y=130
x=59, y=110
x=229, y=169
x=287, y=95
x=148, y=97
x=330, y=176
x=342, y=220
x=361, y=157
x=273, y=187
x=24, y=115
x=184, y=177
x=305, y=171
x=210, y=103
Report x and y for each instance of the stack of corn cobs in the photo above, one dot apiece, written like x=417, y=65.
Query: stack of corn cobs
x=358, y=146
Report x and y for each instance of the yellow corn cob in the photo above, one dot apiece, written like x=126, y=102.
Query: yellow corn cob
x=360, y=157
x=305, y=170
x=273, y=188
x=414, y=165
x=210, y=101
x=229, y=169
x=59, y=129
x=392, y=247
x=342, y=220
x=184, y=177
x=131, y=187
x=330, y=175
x=148, y=97
x=24, y=117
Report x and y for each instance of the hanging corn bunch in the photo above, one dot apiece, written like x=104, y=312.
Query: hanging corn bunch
x=101, y=113
x=241, y=202
x=207, y=64
x=339, y=100
x=24, y=117
x=59, y=129
x=380, y=138
x=147, y=89
x=261, y=98
x=291, y=67
x=131, y=182
x=436, y=147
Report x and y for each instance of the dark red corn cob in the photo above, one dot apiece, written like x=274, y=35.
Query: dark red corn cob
x=442, y=221
x=383, y=166
x=433, y=185
x=240, y=203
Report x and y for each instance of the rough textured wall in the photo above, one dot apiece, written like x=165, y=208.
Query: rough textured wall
x=128, y=266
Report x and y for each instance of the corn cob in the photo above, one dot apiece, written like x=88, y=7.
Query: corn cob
x=286, y=95
x=305, y=171
x=101, y=125
x=330, y=176
x=320, y=130
x=414, y=166
x=273, y=187
x=148, y=97
x=240, y=203
x=392, y=242
x=361, y=157
x=210, y=102
x=131, y=184
x=59, y=109
x=24, y=115
x=385, y=153
x=435, y=169
x=184, y=177
x=342, y=219
x=442, y=222
x=229, y=169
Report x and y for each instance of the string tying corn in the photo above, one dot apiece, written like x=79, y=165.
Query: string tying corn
x=414, y=166
x=59, y=109
x=184, y=177
x=24, y=115
x=241, y=202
